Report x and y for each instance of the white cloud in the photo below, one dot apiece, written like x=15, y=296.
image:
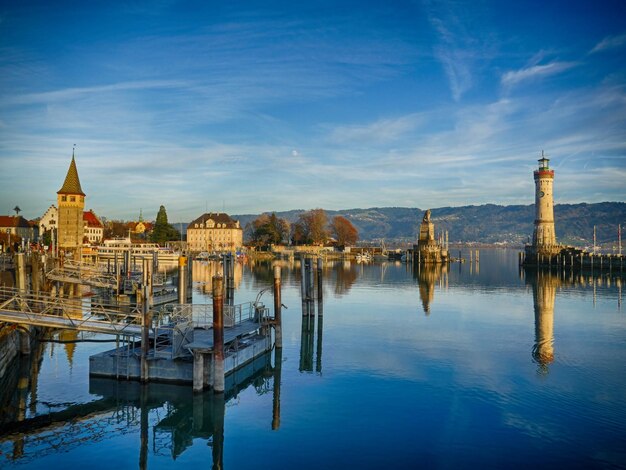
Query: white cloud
x=383, y=130
x=534, y=72
x=609, y=42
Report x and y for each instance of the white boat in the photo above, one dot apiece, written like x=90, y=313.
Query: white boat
x=117, y=247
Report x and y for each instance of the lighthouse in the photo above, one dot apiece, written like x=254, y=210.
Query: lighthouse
x=544, y=236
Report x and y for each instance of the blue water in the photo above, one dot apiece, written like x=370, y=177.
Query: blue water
x=479, y=366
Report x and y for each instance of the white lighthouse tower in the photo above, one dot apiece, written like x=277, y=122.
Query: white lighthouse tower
x=544, y=236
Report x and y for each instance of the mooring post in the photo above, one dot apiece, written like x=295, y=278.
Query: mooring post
x=278, y=323
x=20, y=271
x=145, y=323
x=218, y=334
x=302, y=278
x=35, y=272
x=182, y=282
x=320, y=291
x=189, y=289
x=230, y=281
x=311, y=284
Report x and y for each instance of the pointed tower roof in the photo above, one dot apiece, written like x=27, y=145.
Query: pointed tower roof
x=71, y=185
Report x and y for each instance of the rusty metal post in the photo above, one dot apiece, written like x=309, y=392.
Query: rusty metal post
x=278, y=324
x=218, y=334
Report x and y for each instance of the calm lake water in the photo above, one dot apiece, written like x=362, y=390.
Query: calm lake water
x=475, y=366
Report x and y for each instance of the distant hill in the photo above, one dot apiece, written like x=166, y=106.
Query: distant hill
x=488, y=223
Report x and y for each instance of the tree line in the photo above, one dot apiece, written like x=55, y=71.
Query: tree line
x=311, y=228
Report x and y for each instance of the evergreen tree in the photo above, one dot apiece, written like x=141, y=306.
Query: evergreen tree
x=163, y=231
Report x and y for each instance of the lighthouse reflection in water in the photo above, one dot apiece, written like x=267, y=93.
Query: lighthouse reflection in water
x=474, y=364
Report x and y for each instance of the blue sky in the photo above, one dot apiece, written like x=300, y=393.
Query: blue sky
x=262, y=106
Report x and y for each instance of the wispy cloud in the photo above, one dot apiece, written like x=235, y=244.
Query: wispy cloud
x=609, y=42
x=77, y=92
x=534, y=72
x=458, y=45
x=381, y=131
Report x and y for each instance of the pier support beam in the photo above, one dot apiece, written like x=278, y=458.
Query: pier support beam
x=278, y=324
x=218, y=334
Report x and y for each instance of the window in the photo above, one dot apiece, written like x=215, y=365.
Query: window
x=72, y=198
x=63, y=198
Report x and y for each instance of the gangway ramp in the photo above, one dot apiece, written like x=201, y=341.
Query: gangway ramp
x=66, y=313
x=74, y=272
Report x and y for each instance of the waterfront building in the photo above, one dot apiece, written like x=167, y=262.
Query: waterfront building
x=16, y=225
x=214, y=232
x=71, y=204
x=93, y=227
x=48, y=220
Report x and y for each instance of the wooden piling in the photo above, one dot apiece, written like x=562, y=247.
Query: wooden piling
x=218, y=334
x=278, y=326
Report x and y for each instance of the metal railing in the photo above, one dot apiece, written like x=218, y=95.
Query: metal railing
x=33, y=309
x=201, y=315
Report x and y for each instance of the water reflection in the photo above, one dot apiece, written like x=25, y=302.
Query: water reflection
x=171, y=417
x=203, y=272
x=308, y=343
x=544, y=285
x=428, y=275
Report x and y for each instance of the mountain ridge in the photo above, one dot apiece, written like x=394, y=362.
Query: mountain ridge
x=487, y=223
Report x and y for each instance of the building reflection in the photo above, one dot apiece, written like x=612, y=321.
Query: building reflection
x=544, y=285
x=428, y=276
x=183, y=418
x=203, y=272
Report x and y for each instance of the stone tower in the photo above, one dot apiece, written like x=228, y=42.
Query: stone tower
x=544, y=236
x=71, y=203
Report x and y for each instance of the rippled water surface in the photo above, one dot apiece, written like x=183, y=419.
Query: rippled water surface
x=475, y=365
